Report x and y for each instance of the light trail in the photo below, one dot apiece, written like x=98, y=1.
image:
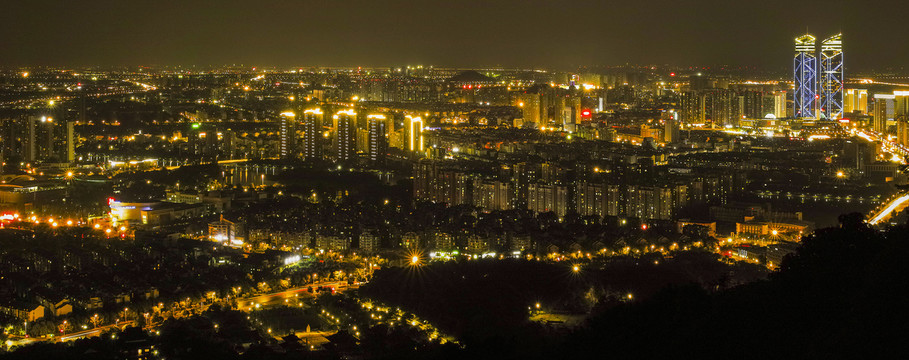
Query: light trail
x=898, y=203
x=81, y=334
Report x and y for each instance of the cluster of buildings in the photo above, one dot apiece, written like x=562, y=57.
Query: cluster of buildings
x=818, y=91
x=548, y=187
x=33, y=138
x=347, y=136
x=891, y=116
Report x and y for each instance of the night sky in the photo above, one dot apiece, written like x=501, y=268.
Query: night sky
x=468, y=33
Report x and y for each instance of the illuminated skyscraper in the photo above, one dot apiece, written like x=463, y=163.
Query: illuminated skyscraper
x=378, y=142
x=901, y=115
x=31, y=138
x=415, y=134
x=856, y=101
x=831, y=73
x=529, y=103
x=288, y=133
x=345, y=142
x=805, y=73
x=883, y=111
x=774, y=103
x=312, y=134
x=70, y=142
x=671, y=130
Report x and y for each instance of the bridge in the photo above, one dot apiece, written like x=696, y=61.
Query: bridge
x=888, y=209
x=220, y=162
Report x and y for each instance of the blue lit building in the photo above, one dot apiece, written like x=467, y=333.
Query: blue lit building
x=805, y=97
x=831, y=77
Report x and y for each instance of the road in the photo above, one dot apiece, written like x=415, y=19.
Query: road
x=92, y=332
x=886, y=211
x=292, y=296
x=899, y=151
x=278, y=298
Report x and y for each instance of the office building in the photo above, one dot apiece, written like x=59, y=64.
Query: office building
x=831, y=77
x=805, y=78
x=856, y=101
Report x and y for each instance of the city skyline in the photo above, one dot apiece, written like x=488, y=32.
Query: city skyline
x=316, y=179
x=505, y=34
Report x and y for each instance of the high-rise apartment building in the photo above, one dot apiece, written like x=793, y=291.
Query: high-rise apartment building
x=529, y=103
x=671, y=128
x=345, y=141
x=415, y=141
x=287, y=132
x=901, y=115
x=708, y=105
x=693, y=111
x=774, y=103
x=312, y=134
x=37, y=138
x=70, y=142
x=548, y=197
x=883, y=111
x=378, y=137
x=805, y=97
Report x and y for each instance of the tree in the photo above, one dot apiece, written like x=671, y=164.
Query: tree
x=263, y=287
x=96, y=320
x=125, y=315
x=64, y=327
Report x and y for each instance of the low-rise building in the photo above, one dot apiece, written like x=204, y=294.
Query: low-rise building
x=23, y=311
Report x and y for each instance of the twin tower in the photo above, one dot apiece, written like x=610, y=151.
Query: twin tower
x=818, y=85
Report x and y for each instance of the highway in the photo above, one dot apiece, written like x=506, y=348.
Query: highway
x=887, y=210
